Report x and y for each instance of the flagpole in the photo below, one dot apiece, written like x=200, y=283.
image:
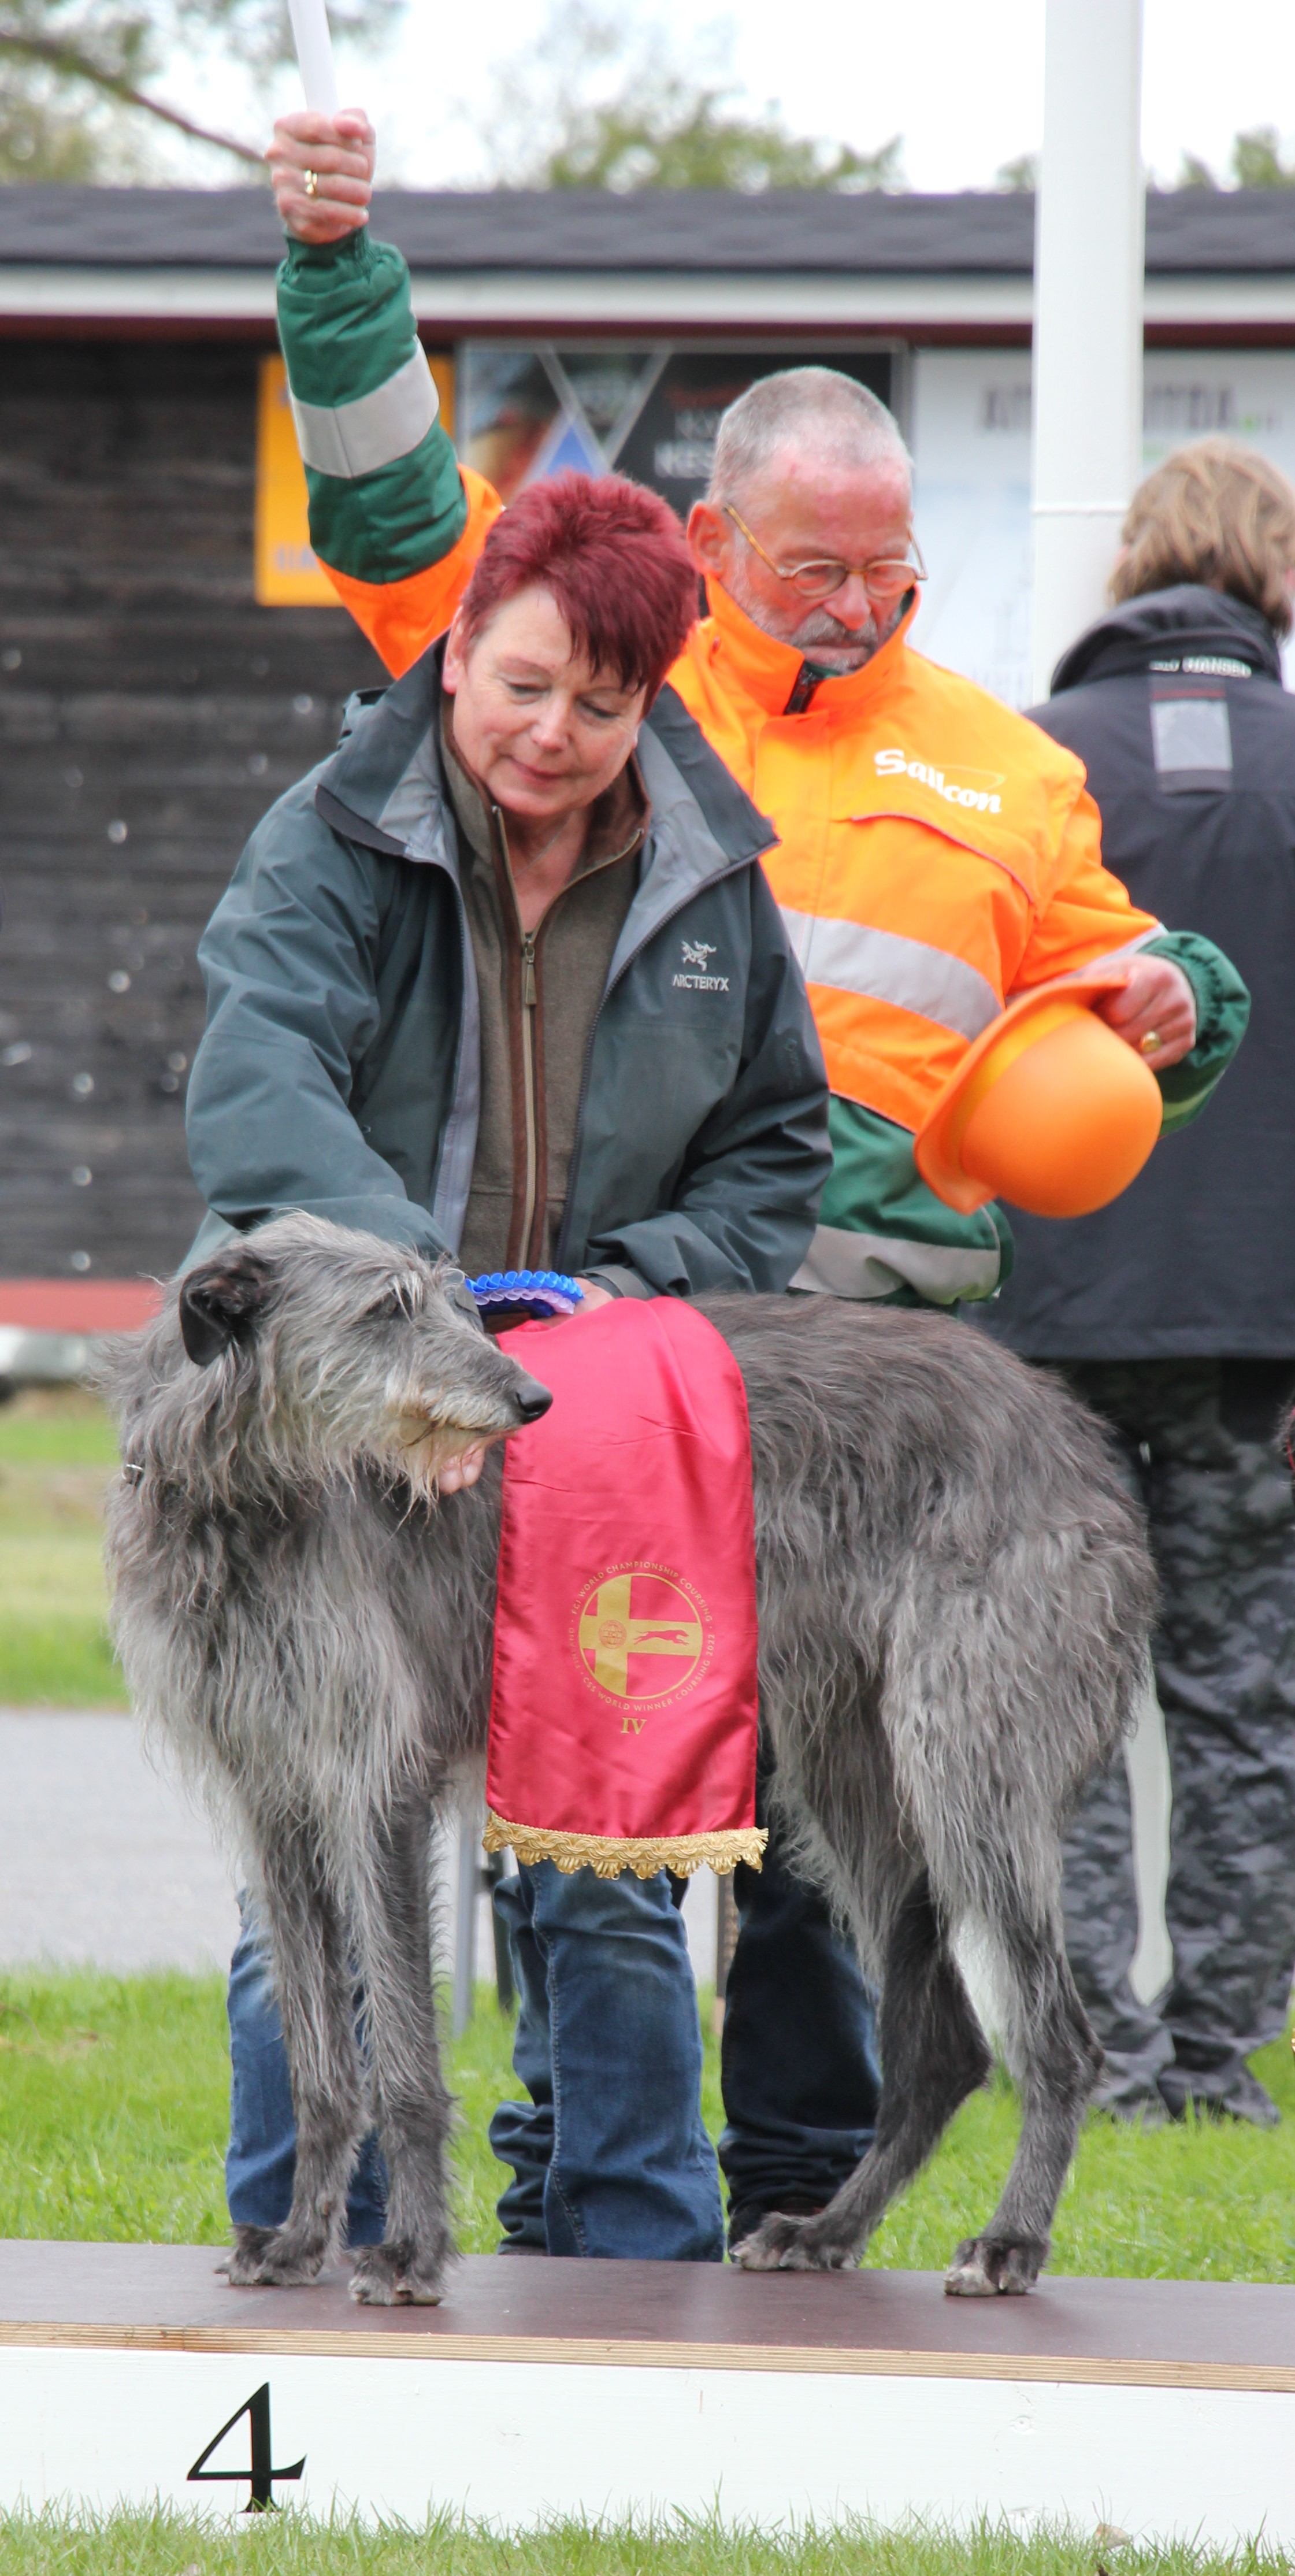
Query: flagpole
x=1088, y=295
x=314, y=53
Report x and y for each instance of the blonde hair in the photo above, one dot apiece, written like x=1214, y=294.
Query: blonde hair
x=1215, y=513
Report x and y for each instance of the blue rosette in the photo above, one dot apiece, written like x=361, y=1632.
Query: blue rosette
x=525, y=1296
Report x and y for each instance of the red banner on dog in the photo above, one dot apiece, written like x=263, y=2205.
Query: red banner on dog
x=624, y=1711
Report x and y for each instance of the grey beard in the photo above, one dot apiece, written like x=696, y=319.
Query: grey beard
x=831, y=647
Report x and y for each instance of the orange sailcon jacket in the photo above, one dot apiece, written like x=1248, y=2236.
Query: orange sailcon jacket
x=938, y=853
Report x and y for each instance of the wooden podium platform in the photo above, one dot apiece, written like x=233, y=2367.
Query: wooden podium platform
x=540, y=2388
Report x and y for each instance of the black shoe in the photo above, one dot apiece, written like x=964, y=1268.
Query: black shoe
x=1135, y=2110
x=1245, y=2099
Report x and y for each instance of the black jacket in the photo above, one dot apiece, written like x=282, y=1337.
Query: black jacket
x=1175, y=705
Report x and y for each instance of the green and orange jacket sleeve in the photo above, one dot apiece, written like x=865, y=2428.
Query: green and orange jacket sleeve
x=395, y=522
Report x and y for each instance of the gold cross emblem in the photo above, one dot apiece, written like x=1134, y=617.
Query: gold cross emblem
x=632, y=1617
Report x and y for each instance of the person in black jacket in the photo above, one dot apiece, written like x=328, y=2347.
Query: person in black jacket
x=1173, y=1311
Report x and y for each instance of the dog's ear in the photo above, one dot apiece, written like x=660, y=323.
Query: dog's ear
x=219, y=1305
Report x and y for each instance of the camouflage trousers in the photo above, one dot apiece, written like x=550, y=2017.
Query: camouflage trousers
x=1197, y=1439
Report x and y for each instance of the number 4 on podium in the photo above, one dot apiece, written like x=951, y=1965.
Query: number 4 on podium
x=261, y=2474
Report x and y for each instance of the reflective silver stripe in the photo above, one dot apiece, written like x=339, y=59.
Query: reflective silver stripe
x=884, y=967
x=358, y=437
x=841, y=1264
x=1117, y=956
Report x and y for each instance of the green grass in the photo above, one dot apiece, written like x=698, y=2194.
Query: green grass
x=170, y=2544
x=57, y=1452
x=114, y=2098
x=114, y=2107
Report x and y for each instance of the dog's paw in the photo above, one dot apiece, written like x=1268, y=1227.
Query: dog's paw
x=791, y=2245
x=248, y=2246
x=272, y=2258
x=398, y=2276
x=989, y=2267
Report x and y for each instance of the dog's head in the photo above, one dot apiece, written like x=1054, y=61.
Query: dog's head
x=353, y=1349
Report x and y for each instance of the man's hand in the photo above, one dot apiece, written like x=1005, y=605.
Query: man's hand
x=338, y=152
x=594, y=1296
x=463, y=1470
x=1157, y=1002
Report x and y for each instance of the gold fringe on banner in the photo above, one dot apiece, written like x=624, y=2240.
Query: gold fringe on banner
x=608, y=1854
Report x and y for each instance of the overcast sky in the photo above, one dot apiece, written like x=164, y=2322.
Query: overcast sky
x=961, y=80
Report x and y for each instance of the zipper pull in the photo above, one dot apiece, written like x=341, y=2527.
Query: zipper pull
x=529, y=994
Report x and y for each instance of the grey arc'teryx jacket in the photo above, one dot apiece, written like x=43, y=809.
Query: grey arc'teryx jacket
x=339, y=1071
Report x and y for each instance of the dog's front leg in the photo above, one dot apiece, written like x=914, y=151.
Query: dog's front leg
x=392, y=1931
x=314, y=1982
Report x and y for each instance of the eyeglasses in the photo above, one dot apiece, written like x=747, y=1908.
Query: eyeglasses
x=885, y=580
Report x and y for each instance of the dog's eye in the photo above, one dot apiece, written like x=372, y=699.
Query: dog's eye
x=404, y=1296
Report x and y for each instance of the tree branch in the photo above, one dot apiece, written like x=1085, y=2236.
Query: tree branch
x=75, y=65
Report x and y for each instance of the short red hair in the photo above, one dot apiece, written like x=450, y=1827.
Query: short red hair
x=613, y=557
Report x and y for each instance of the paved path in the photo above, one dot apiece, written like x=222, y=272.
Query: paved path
x=103, y=1859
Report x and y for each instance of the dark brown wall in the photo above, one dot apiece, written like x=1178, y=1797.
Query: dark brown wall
x=139, y=685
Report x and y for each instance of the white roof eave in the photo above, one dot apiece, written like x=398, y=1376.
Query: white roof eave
x=471, y=301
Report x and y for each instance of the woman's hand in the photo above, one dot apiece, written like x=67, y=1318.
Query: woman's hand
x=1157, y=1002
x=338, y=152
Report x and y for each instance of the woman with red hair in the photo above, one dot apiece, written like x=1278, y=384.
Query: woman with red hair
x=504, y=980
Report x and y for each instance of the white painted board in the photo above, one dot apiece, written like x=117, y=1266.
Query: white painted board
x=513, y=2444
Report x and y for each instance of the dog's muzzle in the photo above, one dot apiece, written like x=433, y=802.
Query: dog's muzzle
x=530, y=1398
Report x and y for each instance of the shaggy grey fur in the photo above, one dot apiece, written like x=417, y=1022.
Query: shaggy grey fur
x=954, y=1607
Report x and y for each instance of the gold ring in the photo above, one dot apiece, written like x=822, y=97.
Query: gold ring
x=311, y=179
x=1150, y=1043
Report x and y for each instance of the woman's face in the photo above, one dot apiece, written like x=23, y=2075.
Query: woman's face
x=543, y=732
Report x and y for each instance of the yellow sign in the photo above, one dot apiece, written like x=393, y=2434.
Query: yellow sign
x=631, y=1615
x=288, y=573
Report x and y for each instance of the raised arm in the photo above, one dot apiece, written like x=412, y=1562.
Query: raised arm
x=394, y=521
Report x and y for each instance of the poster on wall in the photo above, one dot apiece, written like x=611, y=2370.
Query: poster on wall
x=649, y=413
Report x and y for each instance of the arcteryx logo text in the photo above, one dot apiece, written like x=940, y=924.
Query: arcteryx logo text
x=696, y=954
x=975, y=788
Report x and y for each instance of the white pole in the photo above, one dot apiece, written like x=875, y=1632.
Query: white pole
x=1088, y=270
x=314, y=53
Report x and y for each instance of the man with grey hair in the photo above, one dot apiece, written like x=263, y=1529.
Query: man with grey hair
x=777, y=445
x=835, y=414
x=937, y=856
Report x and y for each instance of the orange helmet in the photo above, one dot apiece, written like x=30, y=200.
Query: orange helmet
x=1049, y=1108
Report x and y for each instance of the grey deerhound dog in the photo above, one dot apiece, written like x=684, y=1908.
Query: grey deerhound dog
x=954, y=1606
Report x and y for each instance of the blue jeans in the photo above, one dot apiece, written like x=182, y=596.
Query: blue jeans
x=609, y=2155
x=613, y=2155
